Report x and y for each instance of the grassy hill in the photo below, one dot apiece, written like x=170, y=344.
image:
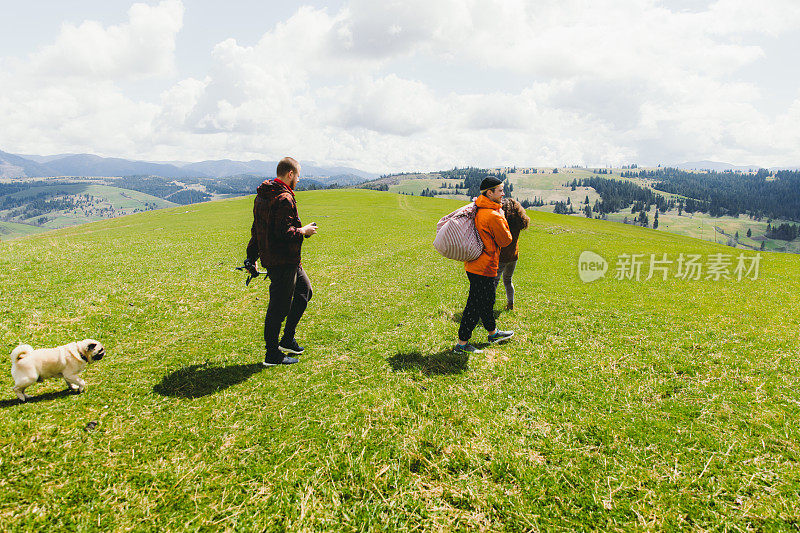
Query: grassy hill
x=84, y=202
x=548, y=187
x=620, y=404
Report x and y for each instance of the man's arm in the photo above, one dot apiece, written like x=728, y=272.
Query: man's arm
x=252, y=246
x=285, y=217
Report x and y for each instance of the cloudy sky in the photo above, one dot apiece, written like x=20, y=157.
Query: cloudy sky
x=404, y=84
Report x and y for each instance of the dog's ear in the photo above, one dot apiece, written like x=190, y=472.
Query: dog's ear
x=91, y=346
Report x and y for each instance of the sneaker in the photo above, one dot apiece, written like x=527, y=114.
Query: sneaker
x=291, y=347
x=467, y=348
x=280, y=360
x=500, y=336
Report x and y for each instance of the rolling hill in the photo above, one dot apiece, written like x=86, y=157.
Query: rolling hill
x=621, y=404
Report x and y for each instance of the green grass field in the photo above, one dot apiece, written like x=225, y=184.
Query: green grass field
x=11, y=230
x=618, y=405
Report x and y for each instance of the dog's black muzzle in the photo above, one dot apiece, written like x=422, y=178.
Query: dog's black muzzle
x=98, y=355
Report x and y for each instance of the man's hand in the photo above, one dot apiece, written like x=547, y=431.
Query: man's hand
x=309, y=230
x=250, y=267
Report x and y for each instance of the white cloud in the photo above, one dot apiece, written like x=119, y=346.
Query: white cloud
x=142, y=47
x=388, y=105
x=610, y=82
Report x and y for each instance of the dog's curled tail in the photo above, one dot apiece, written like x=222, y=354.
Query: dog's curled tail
x=19, y=351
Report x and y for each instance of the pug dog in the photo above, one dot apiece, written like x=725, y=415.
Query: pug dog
x=29, y=366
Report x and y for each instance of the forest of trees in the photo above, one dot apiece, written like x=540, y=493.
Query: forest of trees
x=188, y=196
x=151, y=185
x=471, y=179
x=536, y=202
x=760, y=195
x=784, y=232
x=616, y=195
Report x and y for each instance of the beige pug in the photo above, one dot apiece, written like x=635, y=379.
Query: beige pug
x=29, y=366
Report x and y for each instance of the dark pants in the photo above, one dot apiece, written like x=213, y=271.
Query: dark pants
x=289, y=293
x=480, y=306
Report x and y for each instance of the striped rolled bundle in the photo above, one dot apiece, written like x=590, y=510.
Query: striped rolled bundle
x=456, y=236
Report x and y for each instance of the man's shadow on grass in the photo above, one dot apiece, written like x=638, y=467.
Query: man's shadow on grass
x=440, y=363
x=40, y=398
x=195, y=381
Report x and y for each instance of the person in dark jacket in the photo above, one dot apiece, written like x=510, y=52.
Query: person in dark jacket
x=517, y=220
x=276, y=238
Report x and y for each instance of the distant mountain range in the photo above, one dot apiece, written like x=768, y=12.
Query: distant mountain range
x=722, y=167
x=87, y=165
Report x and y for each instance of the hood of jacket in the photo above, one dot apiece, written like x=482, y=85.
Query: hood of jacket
x=272, y=188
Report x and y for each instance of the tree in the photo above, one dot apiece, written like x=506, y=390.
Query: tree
x=749, y=232
x=655, y=221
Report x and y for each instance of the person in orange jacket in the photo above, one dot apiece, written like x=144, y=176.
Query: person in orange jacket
x=493, y=230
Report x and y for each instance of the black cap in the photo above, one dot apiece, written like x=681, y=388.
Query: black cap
x=489, y=183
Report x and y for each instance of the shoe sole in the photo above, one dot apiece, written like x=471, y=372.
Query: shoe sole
x=501, y=339
x=467, y=351
x=289, y=350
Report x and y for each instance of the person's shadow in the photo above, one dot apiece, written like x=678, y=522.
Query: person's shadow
x=195, y=381
x=437, y=364
x=40, y=398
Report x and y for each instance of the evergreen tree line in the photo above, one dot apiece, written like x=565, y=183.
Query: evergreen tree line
x=375, y=187
x=563, y=208
x=9, y=188
x=616, y=195
x=536, y=202
x=152, y=185
x=784, y=232
x=188, y=196
x=472, y=177
x=727, y=193
x=39, y=202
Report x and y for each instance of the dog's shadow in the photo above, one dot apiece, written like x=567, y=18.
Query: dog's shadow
x=440, y=363
x=195, y=381
x=40, y=398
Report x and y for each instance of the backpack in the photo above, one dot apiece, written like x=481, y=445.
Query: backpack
x=456, y=235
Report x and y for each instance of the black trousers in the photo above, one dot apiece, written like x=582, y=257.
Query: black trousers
x=289, y=293
x=480, y=306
